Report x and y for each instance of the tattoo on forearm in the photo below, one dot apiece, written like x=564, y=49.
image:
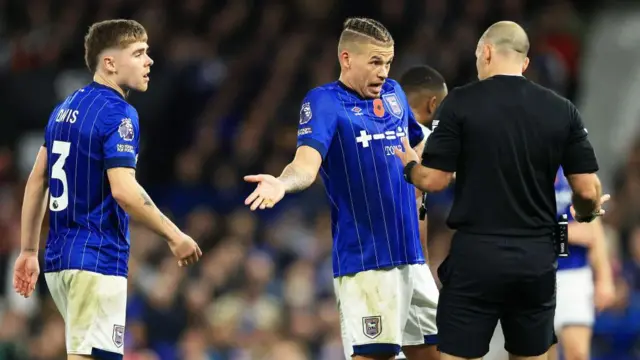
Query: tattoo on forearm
x=143, y=193
x=295, y=180
x=146, y=198
x=30, y=250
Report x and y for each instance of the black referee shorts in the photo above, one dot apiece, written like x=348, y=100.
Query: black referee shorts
x=490, y=278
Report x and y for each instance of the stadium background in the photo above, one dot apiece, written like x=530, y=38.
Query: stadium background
x=223, y=102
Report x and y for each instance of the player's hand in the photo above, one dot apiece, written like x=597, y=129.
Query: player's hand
x=408, y=155
x=25, y=273
x=185, y=249
x=600, y=210
x=269, y=191
x=604, y=294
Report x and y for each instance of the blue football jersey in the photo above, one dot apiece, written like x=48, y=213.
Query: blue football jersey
x=577, y=254
x=93, y=130
x=373, y=210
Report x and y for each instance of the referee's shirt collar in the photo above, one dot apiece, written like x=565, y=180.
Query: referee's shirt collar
x=505, y=76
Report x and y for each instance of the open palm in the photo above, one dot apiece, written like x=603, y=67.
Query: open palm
x=268, y=192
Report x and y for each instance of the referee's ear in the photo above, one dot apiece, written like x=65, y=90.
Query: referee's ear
x=525, y=64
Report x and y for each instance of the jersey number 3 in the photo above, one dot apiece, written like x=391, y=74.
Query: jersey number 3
x=59, y=203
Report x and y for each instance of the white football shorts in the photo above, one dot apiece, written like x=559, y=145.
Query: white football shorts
x=382, y=310
x=574, y=298
x=93, y=307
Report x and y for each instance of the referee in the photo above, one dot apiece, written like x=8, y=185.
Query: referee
x=505, y=137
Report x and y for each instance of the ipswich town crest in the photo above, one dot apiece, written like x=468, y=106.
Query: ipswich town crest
x=372, y=326
x=393, y=104
x=118, y=335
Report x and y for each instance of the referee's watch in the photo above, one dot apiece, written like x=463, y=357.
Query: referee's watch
x=586, y=218
x=407, y=171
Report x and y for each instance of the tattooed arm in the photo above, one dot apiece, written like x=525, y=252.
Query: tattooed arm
x=296, y=176
x=136, y=202
x=302, y=171
x=34, y=204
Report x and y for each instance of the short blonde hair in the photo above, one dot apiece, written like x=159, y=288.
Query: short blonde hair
x=110, y=34
x=363, y=31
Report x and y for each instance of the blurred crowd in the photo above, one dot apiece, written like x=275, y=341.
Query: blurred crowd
x=237, y=72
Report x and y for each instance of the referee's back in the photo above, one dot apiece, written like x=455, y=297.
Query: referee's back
x=514, y=134
x=505, y=137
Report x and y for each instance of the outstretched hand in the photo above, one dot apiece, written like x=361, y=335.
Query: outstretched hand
x=269, y=191
x=408, y=155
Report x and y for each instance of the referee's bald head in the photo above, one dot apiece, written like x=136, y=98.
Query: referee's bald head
x=507, y=36
x=503, y=46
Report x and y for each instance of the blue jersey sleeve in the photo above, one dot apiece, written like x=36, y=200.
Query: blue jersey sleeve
x=120, y=140
x=318, y=118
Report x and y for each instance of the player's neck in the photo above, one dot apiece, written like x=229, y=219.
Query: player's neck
x=343, y=79
x=103, y=81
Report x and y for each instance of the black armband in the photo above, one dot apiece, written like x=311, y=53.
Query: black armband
x=407, y=171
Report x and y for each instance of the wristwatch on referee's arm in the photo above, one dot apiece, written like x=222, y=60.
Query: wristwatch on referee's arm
x=407, y=171
x=586, y=218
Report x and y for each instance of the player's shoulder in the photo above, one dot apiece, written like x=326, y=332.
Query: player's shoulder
x=391, y=85
x=323, y=94
x=116, y=111
x=110, y=101
x=326, y=89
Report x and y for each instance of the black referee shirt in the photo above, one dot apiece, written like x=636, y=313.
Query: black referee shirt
x=505, y=138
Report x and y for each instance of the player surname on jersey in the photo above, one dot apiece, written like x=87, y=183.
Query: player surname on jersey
x=67, y=115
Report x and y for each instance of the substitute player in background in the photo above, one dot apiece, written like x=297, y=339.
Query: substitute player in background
x=581, y=288
x=348, y=132
x=425, y=88
x=584, y=284
x=88, y=165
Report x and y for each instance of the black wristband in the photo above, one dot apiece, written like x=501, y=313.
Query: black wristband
x=407, y=171
x=586, y=219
